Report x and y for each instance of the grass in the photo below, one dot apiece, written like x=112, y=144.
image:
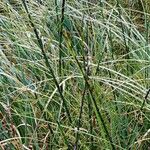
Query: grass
x=74, y=75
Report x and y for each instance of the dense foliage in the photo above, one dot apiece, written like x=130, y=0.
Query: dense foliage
x=74, y=74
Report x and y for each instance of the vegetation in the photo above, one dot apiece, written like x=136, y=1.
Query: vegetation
x=74, y=74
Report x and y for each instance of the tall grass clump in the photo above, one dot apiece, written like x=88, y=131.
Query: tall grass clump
x=74, y=74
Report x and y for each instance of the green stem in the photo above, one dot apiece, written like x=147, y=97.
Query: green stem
x=47, y=62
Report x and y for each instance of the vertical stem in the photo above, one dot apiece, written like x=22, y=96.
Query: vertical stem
x=61, y=37
x=147, y=41
x=93, y=100
x=79, y=119
x=47, y=61
x=88, y=59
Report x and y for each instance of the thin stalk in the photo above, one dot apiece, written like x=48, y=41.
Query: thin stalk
x=26, y=130
x=61, y=37
x=90, y=89
x=99, y=115
x=147, y=40
x=90, y=118
x=79, y=119
x=88, y=73
x=47, y=62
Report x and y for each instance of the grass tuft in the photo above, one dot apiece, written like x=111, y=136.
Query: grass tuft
x=74, y=74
